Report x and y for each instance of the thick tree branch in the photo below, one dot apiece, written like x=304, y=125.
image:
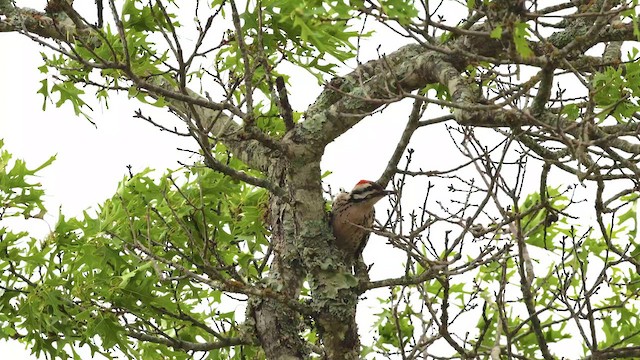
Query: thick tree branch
x=187, y=345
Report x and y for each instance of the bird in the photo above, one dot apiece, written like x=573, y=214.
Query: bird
x=352, y=216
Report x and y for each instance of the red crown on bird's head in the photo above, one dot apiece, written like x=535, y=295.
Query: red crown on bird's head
x=367, y=184
x=371, y=187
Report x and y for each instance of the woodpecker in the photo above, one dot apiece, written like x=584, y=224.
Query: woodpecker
x=351, y=213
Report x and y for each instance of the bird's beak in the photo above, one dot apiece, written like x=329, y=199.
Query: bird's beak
x=389, y=192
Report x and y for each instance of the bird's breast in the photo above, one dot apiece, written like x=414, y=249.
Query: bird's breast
x=348, y=227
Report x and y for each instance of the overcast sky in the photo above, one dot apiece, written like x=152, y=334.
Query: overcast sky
x=91, y=160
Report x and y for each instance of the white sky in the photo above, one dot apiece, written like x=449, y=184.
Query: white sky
x=91, y=161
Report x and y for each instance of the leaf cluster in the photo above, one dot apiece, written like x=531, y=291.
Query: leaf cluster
x=146, y=264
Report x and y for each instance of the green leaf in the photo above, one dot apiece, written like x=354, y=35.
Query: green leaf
x=520, y=39
x=70, y=93
x=44, y=90
x=572, y=111
x=497, y=32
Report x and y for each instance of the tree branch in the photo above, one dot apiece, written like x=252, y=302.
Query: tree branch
x=187, y=345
